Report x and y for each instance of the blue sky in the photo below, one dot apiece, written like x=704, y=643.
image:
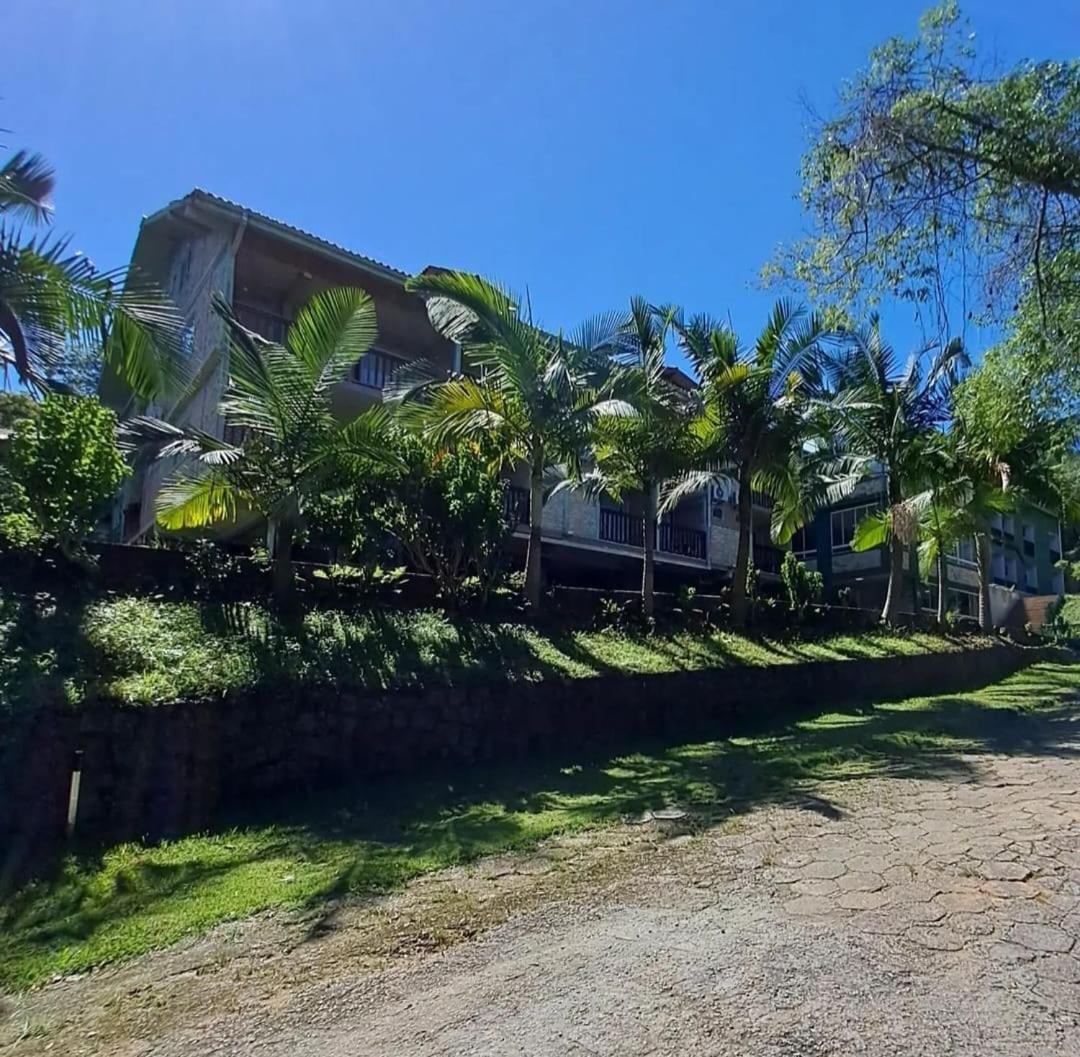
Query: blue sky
x=588, y=150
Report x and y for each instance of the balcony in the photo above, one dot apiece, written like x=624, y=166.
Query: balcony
x=270, y=325
x=768, y=559
x=617, y=526
x=375, y=370
x=761, y=500
x=516, y=505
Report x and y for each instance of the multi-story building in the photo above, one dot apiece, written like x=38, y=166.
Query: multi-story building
x=201, y=244
x=1025, y=546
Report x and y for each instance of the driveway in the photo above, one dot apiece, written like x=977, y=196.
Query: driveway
x=916, y=914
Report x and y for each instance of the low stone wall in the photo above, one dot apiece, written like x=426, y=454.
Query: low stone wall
x=150, y=772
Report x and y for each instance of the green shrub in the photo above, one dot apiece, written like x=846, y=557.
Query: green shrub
x=804, y=587
x=67, y=461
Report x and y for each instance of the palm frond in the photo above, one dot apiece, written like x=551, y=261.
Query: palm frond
x=26, y=185
x=188, y=501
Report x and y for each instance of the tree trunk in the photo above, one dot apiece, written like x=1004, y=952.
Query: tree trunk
x=982, y=558
x=916, y=584
x=896, y=580
x=648, y=562
x=942, y=593
x=739, y=602
x=533, y=583
x=281, y=570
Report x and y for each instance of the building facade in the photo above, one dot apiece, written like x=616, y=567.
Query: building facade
x=1025, y=547
x=201, y=245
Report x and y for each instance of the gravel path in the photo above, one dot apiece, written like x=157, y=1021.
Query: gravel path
x=931, y=915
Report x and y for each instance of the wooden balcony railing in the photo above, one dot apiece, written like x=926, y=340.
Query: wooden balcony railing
x=768, y=559
x=676, y=539
x=617, y=526
x=516, y=505
x=375, y=369
x=270, y=325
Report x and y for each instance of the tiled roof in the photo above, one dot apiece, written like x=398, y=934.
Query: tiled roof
x=273, y=223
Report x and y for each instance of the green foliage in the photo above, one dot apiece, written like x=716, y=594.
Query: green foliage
x=68, y=464
x=760, y=409
x=144, y=651
x=292, y=448
x=14, y=407
x=447, y=511
x=940, y=173
x=530, y=396
x=804, y=587
x=62, y=317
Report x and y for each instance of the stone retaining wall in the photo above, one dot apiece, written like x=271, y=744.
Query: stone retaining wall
x=155, y=771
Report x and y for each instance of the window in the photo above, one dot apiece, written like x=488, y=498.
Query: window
x=964, y=550
x=802, y=543
x=1058, y=582
x=928, y=597
x=995, y=525
x=1029, y=540
x=997, y=567
x=375, y=369
x=1031, y=577
x=1010, y=570
x=965, y=603
x=844, y=523
x=1009, y=526
x=1053, y=543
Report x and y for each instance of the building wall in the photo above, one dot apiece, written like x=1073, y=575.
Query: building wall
x=200, y=265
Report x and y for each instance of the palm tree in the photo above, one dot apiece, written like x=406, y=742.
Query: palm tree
x=55, y=304
x=533, y=394
x=292, y=447
x=645, y=449
x=757, y=419
x=882, y=415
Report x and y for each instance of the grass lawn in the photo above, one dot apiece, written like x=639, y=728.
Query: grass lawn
x=112, y=904
x=144, y=651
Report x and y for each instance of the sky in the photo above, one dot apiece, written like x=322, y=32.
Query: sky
x=585, y=150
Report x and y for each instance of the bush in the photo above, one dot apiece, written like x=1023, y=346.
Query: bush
x=447, y=512
x=803, y=587
x=66, y=460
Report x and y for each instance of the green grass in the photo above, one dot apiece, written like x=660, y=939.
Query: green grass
x=144, y=651
x=112, y=904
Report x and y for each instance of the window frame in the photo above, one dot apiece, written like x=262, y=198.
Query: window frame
x=865, y=509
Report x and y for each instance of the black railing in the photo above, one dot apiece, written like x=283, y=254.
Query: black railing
x=516, y=505
x=270, y=325
x=768, y=559
x=675, y=539
x=617, y=526
x=375, y=370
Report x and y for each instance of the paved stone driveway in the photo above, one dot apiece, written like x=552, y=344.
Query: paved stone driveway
x=898, y=915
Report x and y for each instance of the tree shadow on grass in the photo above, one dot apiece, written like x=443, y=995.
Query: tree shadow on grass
x=308, y=850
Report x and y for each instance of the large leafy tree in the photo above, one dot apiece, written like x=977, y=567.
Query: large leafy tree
x=531, y=394
x=292, y=448
x=885, y=415
x=756, y=422
x=648, y=440
x=944, y=181
x=1006, y=447
x=59, y=313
